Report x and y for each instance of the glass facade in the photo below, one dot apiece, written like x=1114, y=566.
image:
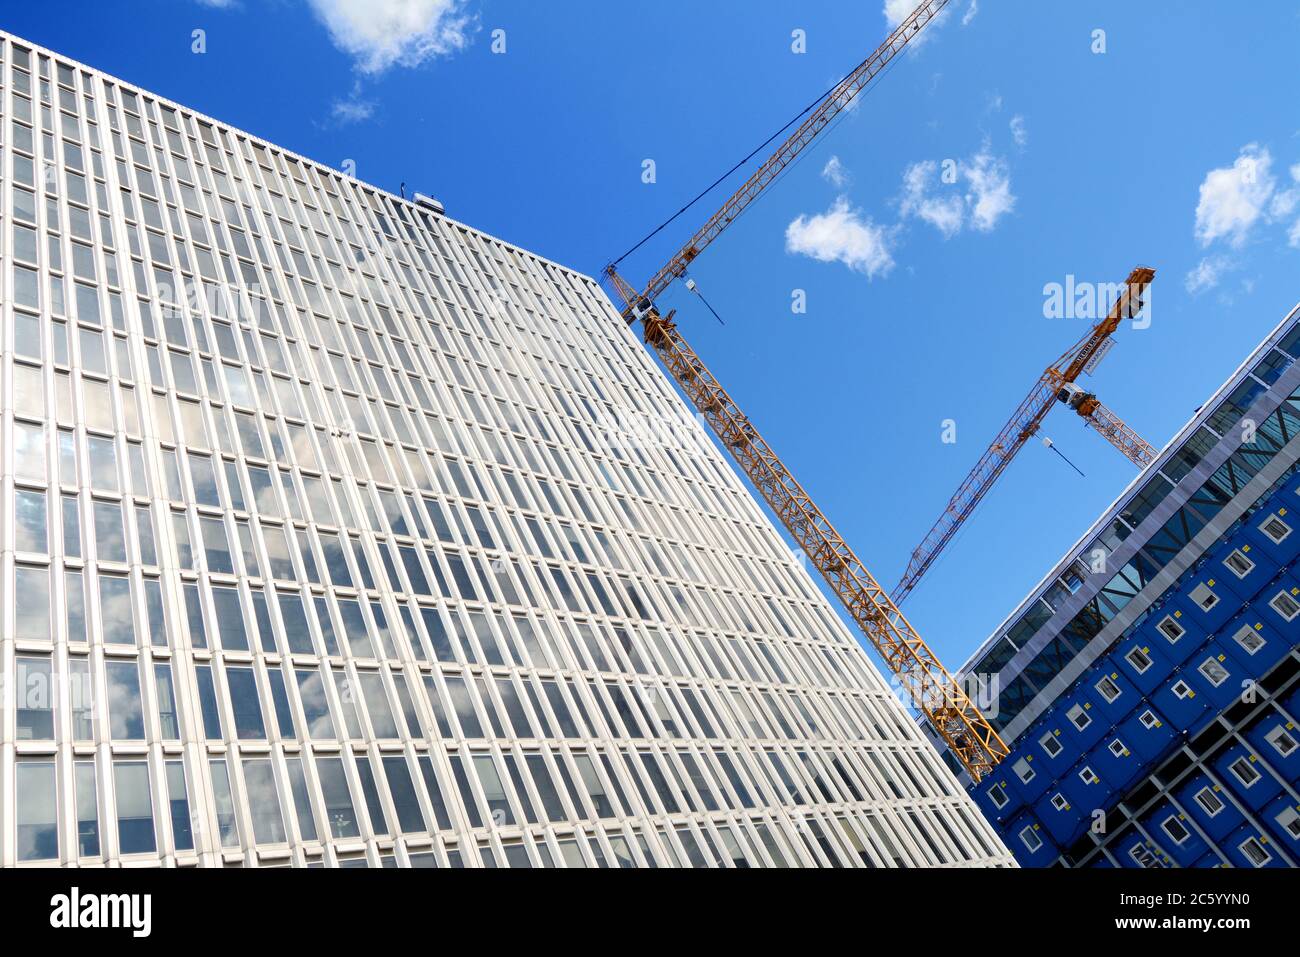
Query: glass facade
x=1154, y=680
x=321, y=546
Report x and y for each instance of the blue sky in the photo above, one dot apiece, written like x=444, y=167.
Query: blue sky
x=1177, y=147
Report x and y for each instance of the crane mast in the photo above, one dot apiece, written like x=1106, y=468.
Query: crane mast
x=930, y=687
x=1056, y=384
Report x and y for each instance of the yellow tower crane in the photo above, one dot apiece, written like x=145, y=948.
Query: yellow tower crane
x=1057, y=384
x=930, y=687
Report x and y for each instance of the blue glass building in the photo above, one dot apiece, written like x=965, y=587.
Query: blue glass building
x=1149, y=687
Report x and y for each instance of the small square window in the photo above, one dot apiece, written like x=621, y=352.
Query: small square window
x=1282, y=739
x=1254, y=852
x=1139, y=659
x=1238, y=563
x=1249, y=639
x=1289, y=820
x=1079, y=717
x=1245, y=772
x=1149, y=720
x=1049, y=744
x=1177, y=832
x=1031, y=840
x=1088, y=776
x=1142, y=856
x=1285, y=605
x=1023, y=771
x=1182, y=689
x=1171, y=629
x=1204, y=597
x=1210, y=802
x=1213, y=671
x=998, y=795
x=1059, y=802
x=1275, y=528
x=1117, y=748
x=1107, y=688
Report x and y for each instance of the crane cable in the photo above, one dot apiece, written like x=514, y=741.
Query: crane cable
x=754, y=152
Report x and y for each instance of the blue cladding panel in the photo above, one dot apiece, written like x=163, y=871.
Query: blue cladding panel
x=1240, y=769
x=1175, y=833
x=1144, y=655
x=1236, y=845
x=1226, y=816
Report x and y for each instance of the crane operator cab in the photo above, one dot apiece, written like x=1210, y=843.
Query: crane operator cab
x=1084, y=403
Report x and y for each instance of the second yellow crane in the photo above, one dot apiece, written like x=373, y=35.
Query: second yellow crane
x=1056, y=384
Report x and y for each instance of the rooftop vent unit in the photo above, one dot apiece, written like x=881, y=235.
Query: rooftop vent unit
x=428, y=202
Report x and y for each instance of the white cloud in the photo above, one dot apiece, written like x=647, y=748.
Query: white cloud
x=1206, y=274
x=944, y=214
x=352, y=110
x=896, y=11
x=1234, y=197
x=986, y=199
x=842, y=234
x=835, y=173
x=379, y=34
x=1018, y=131
x=990, y=196
x=219, y=4
x=969, y=15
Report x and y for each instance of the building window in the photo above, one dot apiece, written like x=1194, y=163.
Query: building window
x=1031, y=840
x=1285, y=605
x=87, y=793
x=34, y=698
x=1088, y=776
x=1213, y=671
x=1204, y=597
x=1275, y=529
x=339, y=810
x=1143, y=857
x=998, y=795
x=1171, y=629
x=179, y=802
x=1175, y=829
x=1281, y=739
x=1079, y=717
x=1059, y=802
x=1117, y=748
x=1244, y=771
x=1138, y=659
x=1049, y=744
x=135, y=833
x=38, y=832
x=1023, y=770
x=1108, y=689
x=1149, y=720
x=1238, y=563
x=1210, y=802
x=1182, y=689
x=1289, y=820
x=1254, y=852
x=1249, y=639
x=263, y=802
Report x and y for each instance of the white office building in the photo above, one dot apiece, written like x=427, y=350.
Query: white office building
x=338, y=533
